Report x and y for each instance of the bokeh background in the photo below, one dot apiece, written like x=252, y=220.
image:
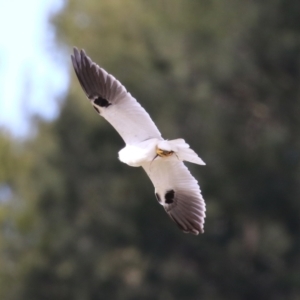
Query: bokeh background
x=76, y=223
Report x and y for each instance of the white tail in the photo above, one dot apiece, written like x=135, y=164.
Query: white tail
x=182, y=150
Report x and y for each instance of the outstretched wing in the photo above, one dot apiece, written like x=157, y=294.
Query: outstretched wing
x=179, y=193
x=111, y=100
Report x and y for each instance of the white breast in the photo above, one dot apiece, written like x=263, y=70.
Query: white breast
x=137, y=154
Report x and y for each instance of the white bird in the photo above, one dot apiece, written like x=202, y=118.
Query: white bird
x=175, y=188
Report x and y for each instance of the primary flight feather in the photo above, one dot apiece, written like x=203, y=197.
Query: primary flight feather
x=175, y=188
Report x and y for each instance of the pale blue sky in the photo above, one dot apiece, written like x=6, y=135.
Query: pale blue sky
x=33, y=71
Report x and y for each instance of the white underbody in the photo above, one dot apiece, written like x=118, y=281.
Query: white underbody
x=137, y=154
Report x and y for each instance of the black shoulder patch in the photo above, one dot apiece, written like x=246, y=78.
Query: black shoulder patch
x=157, y=197
x=102, y=102
x=169, y=196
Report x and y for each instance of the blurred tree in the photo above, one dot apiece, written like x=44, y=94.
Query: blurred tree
x=223, y=75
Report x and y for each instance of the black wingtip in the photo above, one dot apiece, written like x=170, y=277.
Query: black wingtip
x=187, y=217
x=186, y=226
x=92, y=81
x=78, y=56
x=75, y=58
x=75, y=50
x=81, y=64
x=75, y=53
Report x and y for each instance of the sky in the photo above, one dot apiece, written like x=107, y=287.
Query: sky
x=33, y=70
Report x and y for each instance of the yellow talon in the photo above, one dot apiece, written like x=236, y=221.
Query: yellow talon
x=163, y=153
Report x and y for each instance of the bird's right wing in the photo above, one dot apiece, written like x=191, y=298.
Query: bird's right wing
x=179, y=193
x=111, y=100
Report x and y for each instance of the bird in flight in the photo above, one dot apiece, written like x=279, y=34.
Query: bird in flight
x=175, y=188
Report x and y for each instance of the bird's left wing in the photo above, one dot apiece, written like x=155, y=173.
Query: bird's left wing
x=111, y=100
x=179, y=193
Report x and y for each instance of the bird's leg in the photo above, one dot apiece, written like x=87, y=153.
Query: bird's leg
x=152, y=161
x=163, y=153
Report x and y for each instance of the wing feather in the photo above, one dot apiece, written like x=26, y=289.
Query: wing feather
x=112, y=101
x=179, y=193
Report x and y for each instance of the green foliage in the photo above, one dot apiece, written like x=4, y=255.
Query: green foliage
x=223, y=75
